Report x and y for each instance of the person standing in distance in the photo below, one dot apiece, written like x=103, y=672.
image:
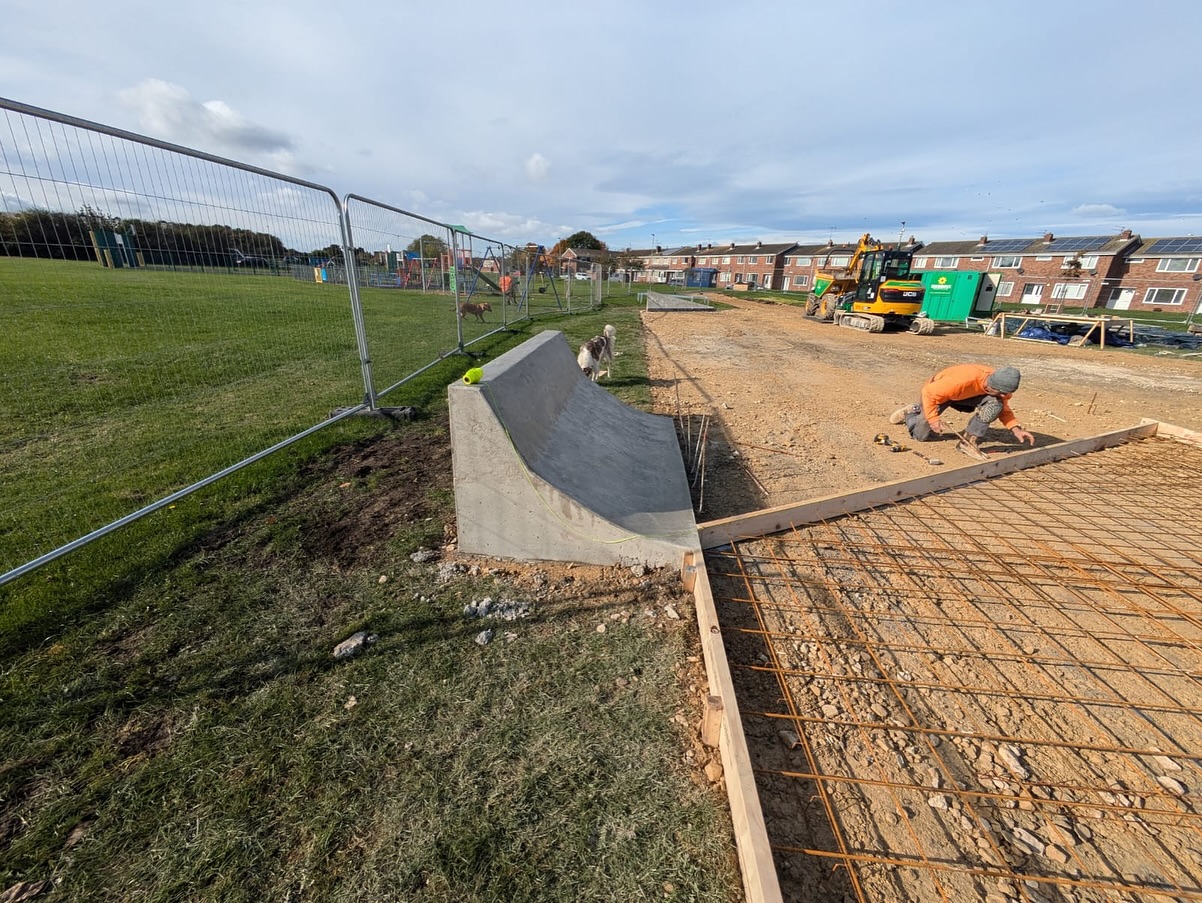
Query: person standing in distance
x=983, y=391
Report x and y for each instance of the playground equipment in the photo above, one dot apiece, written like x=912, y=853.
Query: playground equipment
x=539, y=275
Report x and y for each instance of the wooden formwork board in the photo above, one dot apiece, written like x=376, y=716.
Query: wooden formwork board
x=796, y=754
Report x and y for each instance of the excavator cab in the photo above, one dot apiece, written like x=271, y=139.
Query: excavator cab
x=881, y=267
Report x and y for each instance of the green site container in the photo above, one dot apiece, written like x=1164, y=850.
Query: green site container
x=954, y=296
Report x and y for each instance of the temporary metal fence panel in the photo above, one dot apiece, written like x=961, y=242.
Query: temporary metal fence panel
x=169, y=316
x=406, y=290
x=163, y=318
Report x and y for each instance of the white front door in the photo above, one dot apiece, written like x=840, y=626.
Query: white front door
x=1120, y=299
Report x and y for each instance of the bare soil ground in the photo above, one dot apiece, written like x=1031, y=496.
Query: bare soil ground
x=796, y=402
x=794, y=406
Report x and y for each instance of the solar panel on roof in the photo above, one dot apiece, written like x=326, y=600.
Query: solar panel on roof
x=1007, y=245
x=1175, y=246
x=1079, y=243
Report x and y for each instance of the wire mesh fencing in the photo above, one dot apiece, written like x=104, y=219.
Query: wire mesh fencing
x=169, y=316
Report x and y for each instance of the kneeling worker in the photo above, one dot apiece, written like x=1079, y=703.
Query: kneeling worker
x=974, y=388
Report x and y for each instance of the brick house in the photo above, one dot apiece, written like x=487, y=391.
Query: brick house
x=656, y=265
x=1077, y=272
x=797, y=271
x=579, y=260
x=632, y=263
x=752, y=265
x=1160, y=274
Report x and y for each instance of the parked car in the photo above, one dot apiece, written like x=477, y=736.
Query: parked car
x=582, y=277
x=249, y=261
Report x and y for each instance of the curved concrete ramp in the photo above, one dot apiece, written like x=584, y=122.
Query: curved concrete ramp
x=550, y=466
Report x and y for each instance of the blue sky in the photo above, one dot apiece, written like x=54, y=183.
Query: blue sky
x=686, y=122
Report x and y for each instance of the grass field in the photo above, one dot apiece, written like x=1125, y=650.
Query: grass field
x=123, y=386
x=176, y=728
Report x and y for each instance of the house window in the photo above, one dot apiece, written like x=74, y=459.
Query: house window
x=946, y=263
x=1007, y=262
x=767, y=258
x=726, y=259
x=802, y=261
x=840, y=260
x=1177, y=265
x=1173, y=297
x=1044, y=257
x=1032, y=293
x=1004, y=289
x=976, y=258
x=801, y=281
x=1086, y=262
x=753, y=260
x=738, y=277
x=920, y=263
x=740, y=260
x=1070, y=291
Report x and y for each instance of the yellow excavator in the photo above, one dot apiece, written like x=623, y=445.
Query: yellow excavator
x=874, y=292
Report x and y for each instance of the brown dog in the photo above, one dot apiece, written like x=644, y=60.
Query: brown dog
x=467, y=307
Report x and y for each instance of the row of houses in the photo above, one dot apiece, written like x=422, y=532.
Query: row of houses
x=1120, y=272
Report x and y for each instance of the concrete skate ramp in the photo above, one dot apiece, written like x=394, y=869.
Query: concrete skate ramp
x=549, y=466
x=659, y=301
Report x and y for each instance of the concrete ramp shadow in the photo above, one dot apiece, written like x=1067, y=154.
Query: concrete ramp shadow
x=549, y=466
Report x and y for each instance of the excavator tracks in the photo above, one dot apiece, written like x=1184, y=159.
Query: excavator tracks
x=866, y=322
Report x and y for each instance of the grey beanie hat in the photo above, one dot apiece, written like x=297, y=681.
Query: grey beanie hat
x=1004, y=380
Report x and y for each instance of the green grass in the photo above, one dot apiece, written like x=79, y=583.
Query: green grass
x=122, y=386
x=187, y=374
x=176, y=727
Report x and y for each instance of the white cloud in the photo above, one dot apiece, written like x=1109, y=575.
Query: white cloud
x=169, y=112
x=1097, y=210
x=538, y=168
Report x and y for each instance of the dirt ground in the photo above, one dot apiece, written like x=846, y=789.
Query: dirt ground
x=795, y=402
x=793, y=406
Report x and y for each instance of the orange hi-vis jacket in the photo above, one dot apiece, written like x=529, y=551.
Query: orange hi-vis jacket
x=957, y=383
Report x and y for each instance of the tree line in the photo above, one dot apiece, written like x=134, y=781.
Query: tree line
x=56, y=235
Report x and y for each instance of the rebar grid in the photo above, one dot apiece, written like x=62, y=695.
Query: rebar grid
x=990, y=691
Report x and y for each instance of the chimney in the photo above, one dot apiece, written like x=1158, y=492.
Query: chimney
x=658, y=249
x=1048, y=237
x=709, y=246
x=1125, y=234
x=758, y=245
x=984, y=240
x=732, y=246
x=830, y=242
x=912, y=242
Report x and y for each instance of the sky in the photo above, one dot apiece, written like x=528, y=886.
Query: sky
x=664, y=123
